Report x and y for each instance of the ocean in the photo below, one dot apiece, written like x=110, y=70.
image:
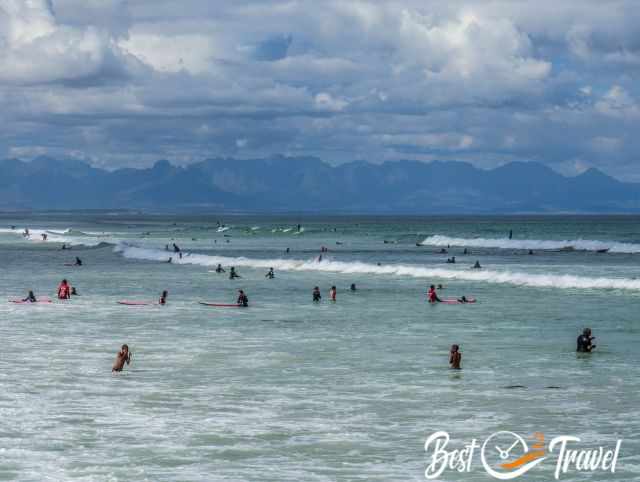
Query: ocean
x=291, y=390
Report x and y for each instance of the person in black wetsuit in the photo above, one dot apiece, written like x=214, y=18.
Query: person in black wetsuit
x=316, y=294
x=233, y=274
x=219, y=269
x=270, y=274
x=585, y=342
x=78, y=261
x=31, y=298
x=243, y=300
x=163, y=298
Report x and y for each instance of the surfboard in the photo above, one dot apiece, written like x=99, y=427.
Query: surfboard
x=221, y=305
x=135, y=303
x=21, y=302
x=454, y=301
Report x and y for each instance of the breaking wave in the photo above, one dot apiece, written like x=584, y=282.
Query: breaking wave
x=535, y=244
x=343, y=267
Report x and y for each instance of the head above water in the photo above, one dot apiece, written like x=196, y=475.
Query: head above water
x=125, y=348
x=455, y=348
x=586, y=332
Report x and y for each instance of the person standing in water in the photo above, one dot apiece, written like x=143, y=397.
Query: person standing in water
x=477, y=265
x=316, y=295
x=163, y=298
x=270, y=274
x=585, y=342
x=64, y=290
x=352, y=287
x=122, y=357
x=455, y=357
x=243, y=300
x=332, y=293
x=432, y=296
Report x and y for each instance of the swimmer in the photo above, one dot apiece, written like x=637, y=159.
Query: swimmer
x=270, y=274
x=74, y=292
x=352, y=287
x=585, y=341
x=163, y=298
x=122, y=357
x=219, y=269
x=243, y=300
x=316, y=294
x=455, y=357
x=477, y=265
x=332, y=293
x=432, y=296
x=31, y=298
x=233, y=274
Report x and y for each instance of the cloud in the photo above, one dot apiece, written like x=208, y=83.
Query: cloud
x=124, y=83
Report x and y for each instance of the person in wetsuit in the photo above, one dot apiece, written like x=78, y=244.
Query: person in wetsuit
x=163, y=297
x=270, y=274
x=31, y=298
x=316, y=294
x=585, y=342
x=477, y=265
x=233, y=274
x=220, y=269
x=78, y=262
x=243, y=300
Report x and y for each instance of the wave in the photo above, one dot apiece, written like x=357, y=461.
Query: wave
x=343, y=267
x=68, y=237
x=535, y=244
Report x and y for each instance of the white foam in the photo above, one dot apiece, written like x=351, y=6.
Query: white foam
x=488, y=276
x=539, y=244
x=53, y=236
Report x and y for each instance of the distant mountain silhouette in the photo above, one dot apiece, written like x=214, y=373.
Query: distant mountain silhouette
x=282, y=184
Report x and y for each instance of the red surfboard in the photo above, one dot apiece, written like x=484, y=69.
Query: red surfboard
x=21, y=302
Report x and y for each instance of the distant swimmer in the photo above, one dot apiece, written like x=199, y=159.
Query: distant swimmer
x=511, y=234
x=78, y=262
x=316, y=294
x=31, y=298
x=287, y=250
x=163, y=298
x=64, y=246
x=299, y=228
x=443, y=251
x=220, y=269
x=455, y=357
x=170, y=260
x=270, y=274
x=176, y=249
x=122, y=357
x=585, y=341
x=243, y=300
x=477, y=265
x=233, y=274
x=64, y=290
x=74, y=291
x=333, y=293
x=451, y=260
x=531, y=251
x=432, y=296
x=44, y=236
x=440, y=287
x=26, y=233
x=352, y=287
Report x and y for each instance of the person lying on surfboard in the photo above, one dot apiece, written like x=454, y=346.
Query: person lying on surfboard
x=163, y=298
x=455, y=357
x=243, y=300
x=31, y=298
x=463, y=299
x=432, y=295
x=122, y=357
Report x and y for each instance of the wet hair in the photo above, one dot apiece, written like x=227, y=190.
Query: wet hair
x=432, y=287
x=455, y=347
x=64, y=281
x=125, y=346
x=586, y=331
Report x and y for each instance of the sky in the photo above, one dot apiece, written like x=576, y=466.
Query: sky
x=125, y=83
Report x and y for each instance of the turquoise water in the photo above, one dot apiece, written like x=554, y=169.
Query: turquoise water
x=291, y=390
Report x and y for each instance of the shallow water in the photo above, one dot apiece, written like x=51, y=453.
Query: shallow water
x=291, y=390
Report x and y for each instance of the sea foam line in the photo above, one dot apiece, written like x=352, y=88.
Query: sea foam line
x=329, y=266
x=542, y=244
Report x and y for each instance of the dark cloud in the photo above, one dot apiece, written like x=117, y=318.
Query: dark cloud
x=125, y=83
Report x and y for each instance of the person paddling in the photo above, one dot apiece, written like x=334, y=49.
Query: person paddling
x=31, y=298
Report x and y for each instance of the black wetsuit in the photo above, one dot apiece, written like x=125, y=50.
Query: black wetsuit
x=243, y=300
x=317, y=296
x=584, y=344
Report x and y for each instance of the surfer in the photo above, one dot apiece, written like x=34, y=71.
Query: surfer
x=270, y=274
x=122, y=357
x=466, y=251
x=332, y=293
x=64, y=246
x=531, y=251
x=64, y=290
x=463, y=299
x=74, y=292
x=31, y=298
x=451, y=260
x=233, y=274
x=511, y=234
x=163, y=298
x=26, y=233
x=352, y=287
x=455, y=357
x=477, y=265
x=220, y=269
x=176, y=249
x=432, y=295
x=316, y=294
x=243, y=300
x=78, y=262
x=44, y=236
x=585, y=341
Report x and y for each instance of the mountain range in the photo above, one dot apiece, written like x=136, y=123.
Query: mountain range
x=305, y=184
